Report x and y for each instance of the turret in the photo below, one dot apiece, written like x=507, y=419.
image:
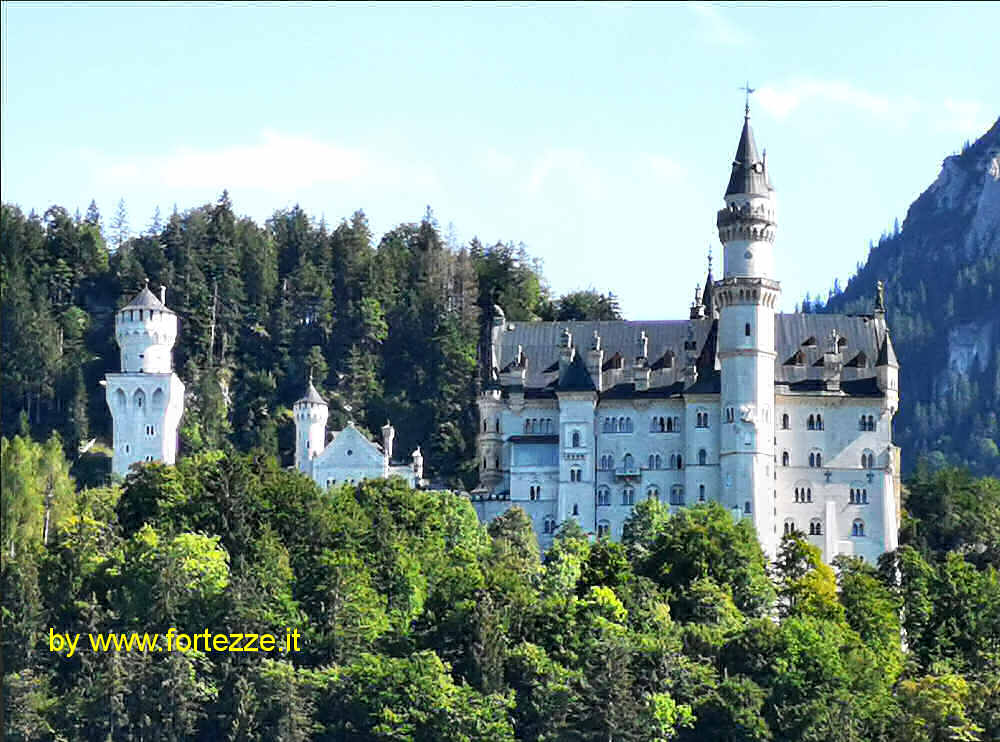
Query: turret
x=887, y=372
x=311, y=412
x=746, y=297
x=146, y=398
x=145, y=330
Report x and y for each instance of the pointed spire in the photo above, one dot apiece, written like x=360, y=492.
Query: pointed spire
x=748, y=168
x=708, y=294
x=887, y=354
x=312, y=396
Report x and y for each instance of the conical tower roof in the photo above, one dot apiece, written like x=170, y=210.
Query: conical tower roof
x=748, y=174
x=312, y=396
x=887, y=354
x=146, y=299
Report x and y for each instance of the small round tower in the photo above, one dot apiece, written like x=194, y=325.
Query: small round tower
x=145, y=330
x=311, y=412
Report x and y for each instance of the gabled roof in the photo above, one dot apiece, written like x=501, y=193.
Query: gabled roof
x=146, y=299
x=748, y=174
x=577, y=378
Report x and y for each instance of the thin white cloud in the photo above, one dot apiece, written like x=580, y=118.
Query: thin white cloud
x=662, y=167
x=960, y=116
x=716, y=28
x=276, y=162
x=573, y=166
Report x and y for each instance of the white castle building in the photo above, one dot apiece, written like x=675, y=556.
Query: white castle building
x=785, y=419
x=146, y=398
x=349, y=456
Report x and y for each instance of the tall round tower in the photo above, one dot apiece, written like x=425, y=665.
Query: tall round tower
x=747, y=297
x=310, y=413
x=146, y=398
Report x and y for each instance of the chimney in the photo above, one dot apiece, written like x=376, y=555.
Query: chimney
x=595, y=361
x=640, y=370
x=565, y=351
x=388, y=435
x=163, y=294
x=833, y=363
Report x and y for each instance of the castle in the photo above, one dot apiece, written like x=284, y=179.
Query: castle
x=146, y=400
x=784, y=419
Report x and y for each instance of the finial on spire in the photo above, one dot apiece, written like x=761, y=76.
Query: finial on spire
x=710, y=258
x=146, y=279
x=748, y=90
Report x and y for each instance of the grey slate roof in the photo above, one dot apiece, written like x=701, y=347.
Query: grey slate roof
x=887, y=354
x=541, y=340
x=146, y=299
x=311, y=395
x=748, y=174
x=577, y=378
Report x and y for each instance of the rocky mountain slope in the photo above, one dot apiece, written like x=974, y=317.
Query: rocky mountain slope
x=942, y=276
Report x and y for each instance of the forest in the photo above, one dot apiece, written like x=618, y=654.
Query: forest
x=389, y=331
x=419, y=623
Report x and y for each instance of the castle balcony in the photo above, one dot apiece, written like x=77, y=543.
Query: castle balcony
x=628, y=471
x=729, y=217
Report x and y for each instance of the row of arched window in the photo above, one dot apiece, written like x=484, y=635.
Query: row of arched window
x=816, y=459
x=538, y=425
x=867, y=423
x=139, y=399
x=859, y=496
x=655, y=461
x=549, y=525
x=617, y=425
x=803, y=494
x=660, y=424
x=535, y=492
x=816, y=527
x=701, y=419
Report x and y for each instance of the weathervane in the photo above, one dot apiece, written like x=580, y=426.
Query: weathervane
x=748, y=90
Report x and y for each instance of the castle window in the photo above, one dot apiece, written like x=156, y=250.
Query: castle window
x=789, y=527
x=815, y=527
x=628, y=496
x=607, y=462
x=128, y=448
x=576, y=439
x=653, y=492
x=140, y=398
x=527, y=426
x=701, y=493
x=606, y=428
x=816, y=459
x=498, y=425
x=484, y=426
x=858, y=528
x=811, y=423
x=819, y=422
x=496, y=461
x=603, y=497
x=785, y=422
x=746, y=508
x=150, y=458
x=746, y=329
x=871, y=423
x=670, y=425
x=677, y=494
x=603, y=529
x=484, y=460
x=576, y=509
x=784, y=458
x=534, y=492
x=550, y=525
x=628, y=463
x=702, y=457
x=576, y=474
x=867, y=460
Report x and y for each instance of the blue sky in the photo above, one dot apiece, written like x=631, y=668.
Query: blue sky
x=600, y=135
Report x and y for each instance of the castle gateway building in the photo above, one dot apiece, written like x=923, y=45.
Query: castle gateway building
x=784, y=419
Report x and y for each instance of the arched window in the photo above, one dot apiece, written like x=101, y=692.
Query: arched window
x=680, y=461
x=789, y=527
x=628, y=496
x=628, y=462
x=701, y=493
x=120, y=400
x=158, y=399
x=498, y=425
x=784, y=458
x=673, y=461
x=657, y=462
x=628, y=424
x=815, y=527
x=670, y=425
x=550, y=525
x=576, y=474
x=867, y=460
x=527, y=426
x=785, y=422
x=614, y=425
x=816, y=459
x=819, y=422
x=484, y=460
x=532, y=493
x=871, y=423
x=576, y=509
x=652, y=461
x=858, y=528
x=603, y=496
x=702, y=457
x=652, y=492
x=496, y=462
x=621, y=425
x=607, y=425
x=811, y=423
x=746, y=508
x=863, y=423
x=746, y=329
x=576, y=439
x=677, y=494
x=603, y=529
x=139, y=399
